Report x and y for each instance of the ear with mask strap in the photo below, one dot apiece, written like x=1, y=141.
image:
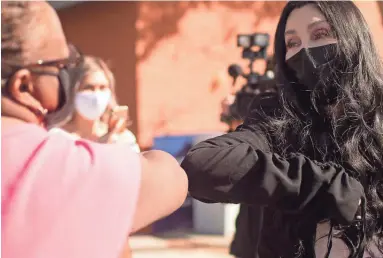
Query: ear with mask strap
x=5, y=91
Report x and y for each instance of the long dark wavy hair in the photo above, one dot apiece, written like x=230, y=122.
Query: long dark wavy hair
x=342, y=121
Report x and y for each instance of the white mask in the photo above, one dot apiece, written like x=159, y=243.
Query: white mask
x=91, y=105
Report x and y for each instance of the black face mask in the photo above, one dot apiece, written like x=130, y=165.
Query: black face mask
x=313, y=65
x=313, y=69
x=66, y=78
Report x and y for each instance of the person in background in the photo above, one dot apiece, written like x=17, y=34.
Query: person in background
x=63, y=197
x=96, y=115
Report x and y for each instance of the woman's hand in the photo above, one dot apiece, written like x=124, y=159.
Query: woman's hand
x=116, y=126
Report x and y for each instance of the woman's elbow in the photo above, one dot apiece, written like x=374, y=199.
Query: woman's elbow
x=177, y=180
x=169, y=172
x=182, y=188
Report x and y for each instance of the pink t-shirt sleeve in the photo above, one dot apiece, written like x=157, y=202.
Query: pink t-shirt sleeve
x=63, y=197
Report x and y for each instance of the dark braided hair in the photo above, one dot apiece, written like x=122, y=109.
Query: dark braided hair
x=349, y=132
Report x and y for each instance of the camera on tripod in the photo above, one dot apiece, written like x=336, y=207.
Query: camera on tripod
x=254, y=81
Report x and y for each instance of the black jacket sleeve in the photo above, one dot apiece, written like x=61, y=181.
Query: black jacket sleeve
x=239, y=167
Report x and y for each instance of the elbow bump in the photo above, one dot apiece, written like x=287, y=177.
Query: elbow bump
x=179, y=185
x=180, y=191
x=183, y=185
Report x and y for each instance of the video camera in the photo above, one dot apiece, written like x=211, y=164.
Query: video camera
x=254, y=81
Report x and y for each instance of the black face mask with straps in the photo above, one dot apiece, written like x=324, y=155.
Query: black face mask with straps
x=67, y=80
x=313, y=68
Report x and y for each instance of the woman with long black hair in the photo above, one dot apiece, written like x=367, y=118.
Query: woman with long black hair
x=308, y=162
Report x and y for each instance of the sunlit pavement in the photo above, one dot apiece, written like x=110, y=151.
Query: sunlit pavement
x=185, y=246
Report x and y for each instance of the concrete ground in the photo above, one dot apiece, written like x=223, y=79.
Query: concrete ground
x=176, y=246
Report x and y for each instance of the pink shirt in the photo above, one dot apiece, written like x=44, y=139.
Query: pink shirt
x=63, y=197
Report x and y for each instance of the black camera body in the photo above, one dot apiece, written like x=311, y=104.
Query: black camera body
x=255, y=83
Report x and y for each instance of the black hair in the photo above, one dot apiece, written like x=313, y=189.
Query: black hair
x=349, y=130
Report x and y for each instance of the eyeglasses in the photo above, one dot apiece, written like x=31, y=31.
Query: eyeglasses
x=74, y=60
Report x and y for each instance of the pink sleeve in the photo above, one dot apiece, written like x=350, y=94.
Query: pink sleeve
x=75, y=199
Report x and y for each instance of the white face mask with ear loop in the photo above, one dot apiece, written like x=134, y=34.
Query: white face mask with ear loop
x=92, y=104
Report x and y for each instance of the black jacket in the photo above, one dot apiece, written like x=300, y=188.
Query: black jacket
x=239, y=167
x=247, y=231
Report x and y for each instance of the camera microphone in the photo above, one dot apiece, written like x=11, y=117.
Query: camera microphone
x=235, y=71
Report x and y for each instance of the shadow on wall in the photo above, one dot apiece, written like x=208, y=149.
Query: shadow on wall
x=159, y=20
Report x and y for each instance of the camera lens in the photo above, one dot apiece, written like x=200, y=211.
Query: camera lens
x=244, y=41
x=261, y=40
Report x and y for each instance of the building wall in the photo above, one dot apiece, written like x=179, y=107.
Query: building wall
x=170, y=58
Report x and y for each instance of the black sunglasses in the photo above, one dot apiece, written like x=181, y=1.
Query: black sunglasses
x=74, y=60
